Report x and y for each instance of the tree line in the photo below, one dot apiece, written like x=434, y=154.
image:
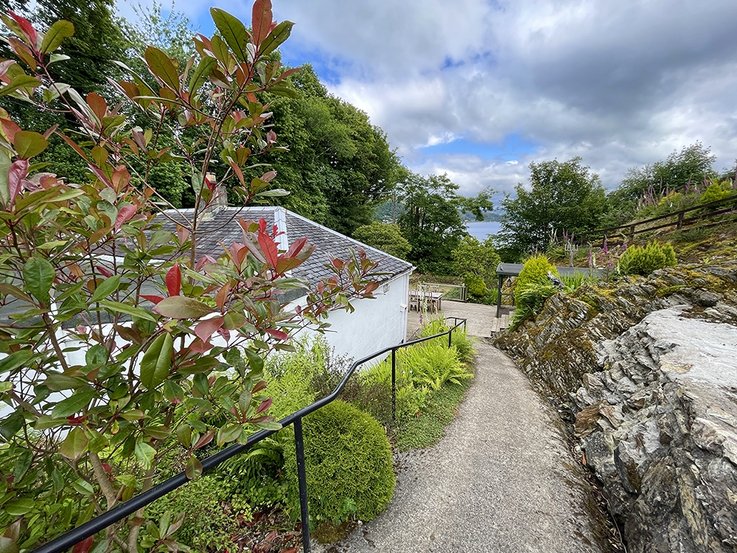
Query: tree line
x=336, y=167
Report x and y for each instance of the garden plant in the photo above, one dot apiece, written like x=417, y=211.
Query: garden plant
x=121, y=346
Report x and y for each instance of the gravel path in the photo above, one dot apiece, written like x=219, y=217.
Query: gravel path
x=502, y=480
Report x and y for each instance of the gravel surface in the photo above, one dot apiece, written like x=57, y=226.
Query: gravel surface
x=502, y=480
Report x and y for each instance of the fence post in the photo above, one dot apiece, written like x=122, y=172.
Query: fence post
x=632, y=233
x=394, y=384
x=680, y=220
x=302, y=479
x=450, y=337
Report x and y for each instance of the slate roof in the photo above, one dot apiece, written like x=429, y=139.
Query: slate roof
x=221, y=228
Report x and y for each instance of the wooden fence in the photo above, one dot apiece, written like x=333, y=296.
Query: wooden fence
x=684, y=218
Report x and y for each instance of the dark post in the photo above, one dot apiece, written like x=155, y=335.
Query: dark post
x=680, y=220
x=499, y=297
x=450, y=337
x=632, y=233
x=302, y=479
x=394, y=384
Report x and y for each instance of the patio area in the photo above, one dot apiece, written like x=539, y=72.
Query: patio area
x=481, y=319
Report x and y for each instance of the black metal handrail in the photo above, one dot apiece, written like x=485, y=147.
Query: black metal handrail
x=118, y=513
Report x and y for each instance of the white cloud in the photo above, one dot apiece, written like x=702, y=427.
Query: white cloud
x=619, y=83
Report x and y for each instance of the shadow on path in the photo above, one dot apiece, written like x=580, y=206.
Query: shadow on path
x=500, y=481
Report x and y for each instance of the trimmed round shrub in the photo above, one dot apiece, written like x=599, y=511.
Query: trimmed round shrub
x=348, y=466
x=643, y=260
x=716, y=191
x=534, y=272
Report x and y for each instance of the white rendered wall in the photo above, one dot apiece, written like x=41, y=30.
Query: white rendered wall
x=375, y=324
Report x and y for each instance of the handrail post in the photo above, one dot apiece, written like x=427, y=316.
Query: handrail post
x=450, y=337
x=302, y=479
x=394, y=384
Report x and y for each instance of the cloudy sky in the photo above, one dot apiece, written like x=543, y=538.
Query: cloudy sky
x=479, y=88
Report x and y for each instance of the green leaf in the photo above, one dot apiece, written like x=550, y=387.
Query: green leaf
x=276, y=37
x=161, y=65
x=19, y=81
x=11, y=424
x=193, y=468
x=269, y=425
x=75, y=403
x=29, y=144
x=58, y=381
x=15, y=360
x=55, y=35
x=75, y=444
x=200, y=74
x=18, y=507
x=233, y=32
x=145, y=454
x=156, y=362
x=5, y=163
x=229, y=433
x=182, y=307
x=96, y=356
x=38, y=275
x=127, y=310
x=105, y=288
x=275, y=193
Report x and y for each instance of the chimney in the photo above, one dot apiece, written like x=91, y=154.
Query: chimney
x=219, y=200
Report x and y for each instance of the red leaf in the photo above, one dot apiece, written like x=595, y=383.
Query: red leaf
x=268, y=246
x=100, y=175
x=205, y=439
x=125, y=214
x=268, y=176
x=370, y=287
x=152, y=299
x=225, y=333
x=338, y=264
x=261, y=20
x=198, y=346
x=210, y=181
x=182, y=234
x=204, y=261
x=9, y=128
x=174, y=280
x=26, y=27
x=278, y=334
x=104, y=271
x=98, y=104
x=222, y=296
x=205, y=329
x=296, y=247
x=265, y=404
x=17, y=172
x=84, y=546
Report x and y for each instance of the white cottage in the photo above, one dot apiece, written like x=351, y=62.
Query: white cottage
x=375, y=323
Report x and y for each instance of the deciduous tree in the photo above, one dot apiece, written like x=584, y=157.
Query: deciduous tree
x=562, y=198
x=386, y=237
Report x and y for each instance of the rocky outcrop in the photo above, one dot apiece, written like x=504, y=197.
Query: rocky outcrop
x=659, y=428
x=646, y=373
x=558, y=347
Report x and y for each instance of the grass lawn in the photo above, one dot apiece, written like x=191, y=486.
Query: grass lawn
x=429, y=426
